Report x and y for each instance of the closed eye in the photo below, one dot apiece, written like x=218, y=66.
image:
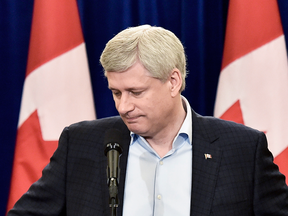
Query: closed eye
x=116, y=93
x=136, y=93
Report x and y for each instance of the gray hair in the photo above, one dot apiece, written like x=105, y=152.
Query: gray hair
x=157, y=49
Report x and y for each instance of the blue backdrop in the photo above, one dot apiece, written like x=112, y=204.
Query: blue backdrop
x=200, y=24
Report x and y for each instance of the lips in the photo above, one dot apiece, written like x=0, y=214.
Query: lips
x=131, y=119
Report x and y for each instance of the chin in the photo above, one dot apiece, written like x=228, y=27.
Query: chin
x=138, y=131
x=137, y=127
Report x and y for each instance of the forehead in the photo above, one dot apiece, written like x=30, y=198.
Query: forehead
x=135, y=76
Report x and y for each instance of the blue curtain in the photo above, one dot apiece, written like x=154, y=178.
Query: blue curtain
x=200, y=24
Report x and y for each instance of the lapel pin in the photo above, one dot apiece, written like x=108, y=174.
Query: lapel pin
x=208, y=156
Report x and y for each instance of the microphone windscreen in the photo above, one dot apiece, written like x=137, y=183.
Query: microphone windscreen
x=113, y=141
x=113, y=135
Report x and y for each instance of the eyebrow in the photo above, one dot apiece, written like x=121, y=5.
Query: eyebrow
x=112, y=88
x=128, y=89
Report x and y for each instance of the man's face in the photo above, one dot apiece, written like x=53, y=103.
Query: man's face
x=143, y=102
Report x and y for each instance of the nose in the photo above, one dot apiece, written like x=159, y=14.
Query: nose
x=124, y=104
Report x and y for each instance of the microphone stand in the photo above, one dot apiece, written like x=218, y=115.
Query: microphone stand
x=113, y=151
x=113, y=192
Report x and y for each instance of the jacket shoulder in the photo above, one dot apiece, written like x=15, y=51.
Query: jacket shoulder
x=214, y=128
x=91, y=132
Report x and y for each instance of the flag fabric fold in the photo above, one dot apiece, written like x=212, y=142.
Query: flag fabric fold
x=57, y=90
x=253, y=83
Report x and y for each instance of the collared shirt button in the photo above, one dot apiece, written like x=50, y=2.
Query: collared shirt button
x=159, y=197
x=161, y=162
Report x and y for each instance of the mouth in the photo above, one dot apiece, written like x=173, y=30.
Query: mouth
x=131, y=120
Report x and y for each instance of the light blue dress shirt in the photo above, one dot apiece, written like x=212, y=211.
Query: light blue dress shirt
x=160, y=186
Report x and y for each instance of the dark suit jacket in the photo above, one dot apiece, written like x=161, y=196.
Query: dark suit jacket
x=239, y=179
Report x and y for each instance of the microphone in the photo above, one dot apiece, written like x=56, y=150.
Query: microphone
x=113, y=150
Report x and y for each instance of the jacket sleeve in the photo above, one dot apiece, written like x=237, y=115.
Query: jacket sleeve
x=270, y=189
x=47, y=195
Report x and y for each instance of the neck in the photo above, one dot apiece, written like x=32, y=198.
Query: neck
x=162, y=142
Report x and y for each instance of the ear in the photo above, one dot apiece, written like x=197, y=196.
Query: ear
x=175, y=81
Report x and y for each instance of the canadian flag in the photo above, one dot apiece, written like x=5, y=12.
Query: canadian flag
x=57, y=90
x=253, y=83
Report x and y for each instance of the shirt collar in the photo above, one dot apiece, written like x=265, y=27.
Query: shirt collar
x=186, y=127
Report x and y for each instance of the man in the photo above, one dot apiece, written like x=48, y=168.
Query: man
x=174, y=161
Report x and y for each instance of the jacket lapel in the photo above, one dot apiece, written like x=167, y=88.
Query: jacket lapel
x=206, y=159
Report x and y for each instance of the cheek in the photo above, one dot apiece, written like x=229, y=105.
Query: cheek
x=116, y=102
x=155, y=103
x=154, y=106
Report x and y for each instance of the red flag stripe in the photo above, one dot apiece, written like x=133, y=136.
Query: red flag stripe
x=249, y=26
x=50, y=31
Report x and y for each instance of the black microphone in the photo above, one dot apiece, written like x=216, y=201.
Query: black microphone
x=113, y=151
